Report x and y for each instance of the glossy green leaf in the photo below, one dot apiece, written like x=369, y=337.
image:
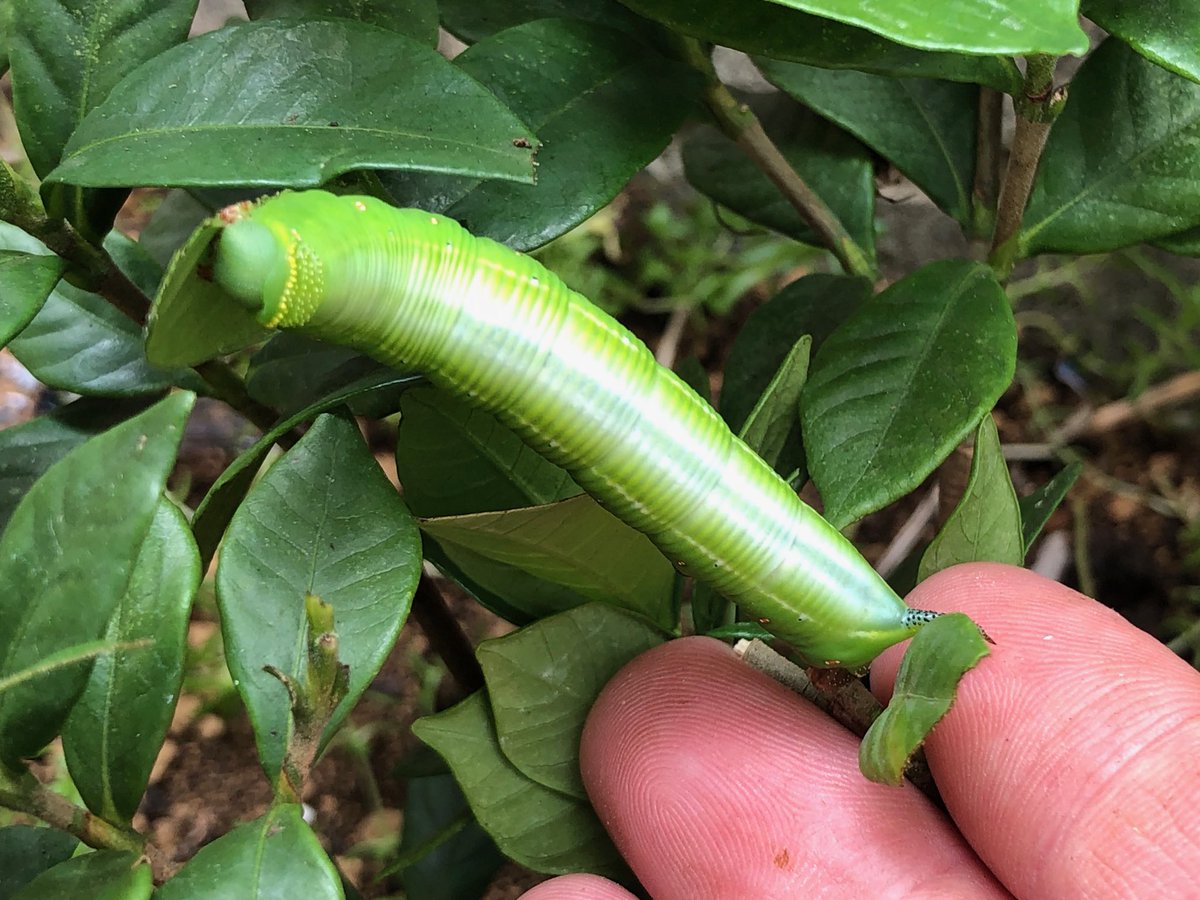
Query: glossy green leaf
x=101, y=875
x=70, y=656
x=940, y=654
x=473, y=21
x=68, y=55
x=117, y=726
x=26, y=280
x=508, y=591
x=454, y=459
x=1143, y=186
x=1164, y=31
x=540, y=828
x=575, y=543
x=66, y=559
x=223, y=498
x=325, y=521
x=222, y=109
x=274, y=856
x=26, y=852
x=292, y=371
x=193, y=320
x=836, y=166
x=602, y=105
x=925, y=128
x=417, y=19
x=986, y=524
x=543, y=680
x=776, y=417
x=762, y=28
x=1039, y=506
x=813, y=305
x=973, y=26
x=902, y=382
x=456, y=858
x=26, y=451
x=79, y=342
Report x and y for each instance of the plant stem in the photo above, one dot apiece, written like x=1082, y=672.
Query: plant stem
x=740, y=123
x=986, y=188
x=26, y=794
x=1036, y=111
x=227, y=386
x=837, y=693
x=19, y=206
x=446, y=636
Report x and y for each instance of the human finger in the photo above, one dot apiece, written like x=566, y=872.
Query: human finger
x=716, y=782
x=578, y=887
x=1071, y=759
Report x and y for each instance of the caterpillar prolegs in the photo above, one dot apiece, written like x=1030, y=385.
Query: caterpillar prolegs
x=417, y=290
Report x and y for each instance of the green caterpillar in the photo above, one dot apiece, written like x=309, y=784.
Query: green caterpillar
x=416, y=290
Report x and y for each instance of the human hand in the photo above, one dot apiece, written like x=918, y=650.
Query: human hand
x=1070, y=767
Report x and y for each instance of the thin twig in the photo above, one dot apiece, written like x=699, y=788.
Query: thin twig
x=227, y=386
x=986, y=188
x=125, y=296
x=668, y=345
x=740, y=123
x=446, y=636
x=909, y=535
x=838, y=694
x=26, y=794
x=1036, y=111
x=1175, y=391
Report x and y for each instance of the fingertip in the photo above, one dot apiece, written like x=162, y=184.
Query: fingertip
x=1073, y=742
x=578, y=887
x=715, y=781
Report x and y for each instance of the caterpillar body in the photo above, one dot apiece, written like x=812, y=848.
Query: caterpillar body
x=417, y=290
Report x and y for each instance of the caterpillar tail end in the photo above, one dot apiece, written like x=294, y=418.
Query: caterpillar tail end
x=245, y=253
x=915, y=618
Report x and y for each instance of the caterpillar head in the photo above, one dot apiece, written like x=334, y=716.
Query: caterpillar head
x=267, y=267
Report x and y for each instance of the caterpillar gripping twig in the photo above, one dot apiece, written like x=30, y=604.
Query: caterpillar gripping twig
x=416, y=290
